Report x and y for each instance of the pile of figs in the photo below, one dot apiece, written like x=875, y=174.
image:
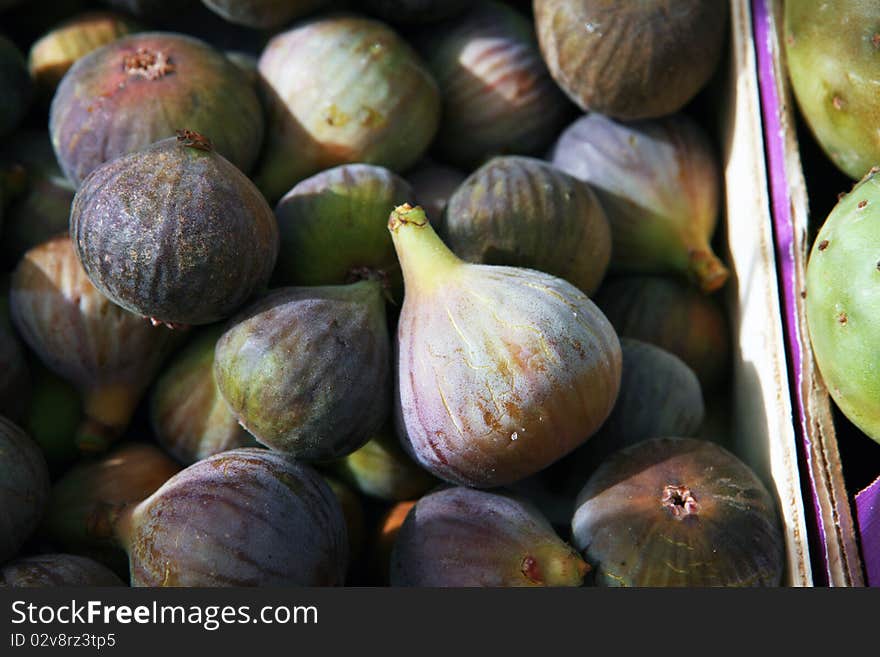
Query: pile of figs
x=386, y=293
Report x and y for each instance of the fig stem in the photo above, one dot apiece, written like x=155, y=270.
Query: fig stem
x=709, y=272
x=422, y=254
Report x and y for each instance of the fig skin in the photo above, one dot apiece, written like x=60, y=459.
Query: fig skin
x=460, y=537
x=174, y=232
x=498, y=97
x=342, y=89
x=109, y=354
x=678, y=512
x=674, y=316
x=15, y=86
x=263, y=14
x=307, y=370
x=485, y=399
x=333, y=226
x=523, y=212
x=659, y=182
x=415, y=11
x=831, y=54
x=631, y=60
x=841, y=304
x=433, y=184
x=139, y=89
x=51, y=570
x=24, y=488
x=246, y=517
x=188, y=414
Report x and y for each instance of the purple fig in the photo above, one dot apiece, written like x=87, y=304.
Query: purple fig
x=50, y=570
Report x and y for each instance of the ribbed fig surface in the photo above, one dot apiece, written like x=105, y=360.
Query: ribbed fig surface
x=246, y=517
x=678, y=512
x=110, y=354
x=342, y=89
x=631, y=60
x=189, y=415
x=433, y=184
x=174, y=232
x=262, y=14
x=460, y=537
x=141, y=88
x=524, y=212
x=333, y=225
x=497, y=95
x=307, y=370
x=673, y=316
x=49, y=570
x=659, y=183
x=15, y=86
x=501, y=371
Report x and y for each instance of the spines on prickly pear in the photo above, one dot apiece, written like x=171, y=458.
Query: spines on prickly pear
x=501, y=371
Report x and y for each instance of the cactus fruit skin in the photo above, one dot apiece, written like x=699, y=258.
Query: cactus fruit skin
x=461, y=537
x=659, y=182
x=501, y=371
x=139, y=89
x=342, y=89
x=631, y=60
x=841, y=284
x=15, y=86
x=307, y=370
x=678, y=512
x=524, y=212
x=49, y=570
x=246, y=517
x=262, y=14
x=174, y=232
x=24, y=488
x=831, y=50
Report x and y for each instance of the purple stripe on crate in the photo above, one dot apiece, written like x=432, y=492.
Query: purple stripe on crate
x=868, y=514
x=774, y=141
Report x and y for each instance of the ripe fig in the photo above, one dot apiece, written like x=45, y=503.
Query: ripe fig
x=306, y=370
x=673, y=316
x=108, y=353
x=174, y=232
x=333, y=226
x=246, y=517
x=523, y=212
x=24, y=488
x=501, y=371
x=50, y=570
x=678, y=512
x=433, y=184
x=15, y=86
x=498, y=97
x=460, y=537
x=659, y=183
x=263, y=14
x=415, y=11
x=139, y=89
x=631, y=60
x=842, y=274
x=831, y=52
x=342, y=89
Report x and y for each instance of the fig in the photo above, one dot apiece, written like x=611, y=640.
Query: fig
x=333, y=226
x=50, y=570
x=15, y=86
x=262, y=14
x=631, y=60
x=306, y=370
x=659, y=183
x=108, y=353
x=24, y=488
x=842, y=271
x=342, y=89
x=246, y=517
x=383, y=470
x=247, y=64
x=139, y=89
x=174, y=232
x=674, y=316
x=831, y=52
x=414, y=11
x=498, y=97
x=501, y=371
x=461, y=537
x=678, y=512
x=353, y=511
x=54, y=53
x=515, y=211
x=189, y=415
x=433, y=184
x=54, y=432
